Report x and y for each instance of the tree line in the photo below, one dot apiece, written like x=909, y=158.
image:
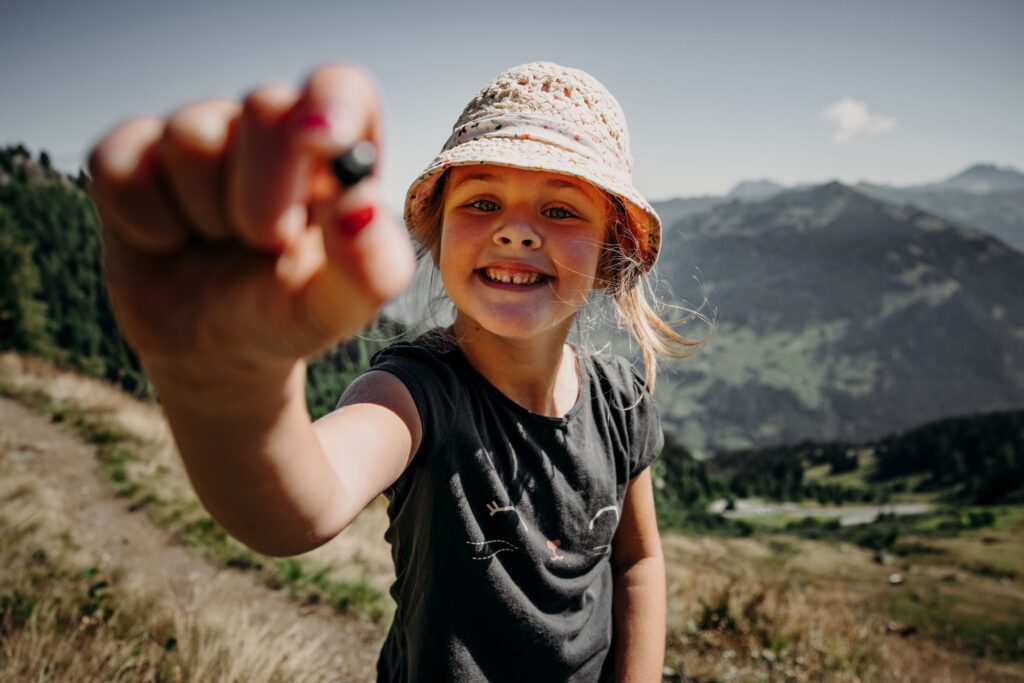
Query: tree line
x=972, y=459
x=980, y=456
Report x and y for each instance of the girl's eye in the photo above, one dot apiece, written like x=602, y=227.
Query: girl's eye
x=560, y=213
x=483, y=205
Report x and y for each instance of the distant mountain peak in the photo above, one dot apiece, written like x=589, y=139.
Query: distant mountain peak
x=986, y=167
x=831, y=190
x=754, y=190
x=983, y=178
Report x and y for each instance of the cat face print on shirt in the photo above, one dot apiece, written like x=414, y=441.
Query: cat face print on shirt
x=548, y=520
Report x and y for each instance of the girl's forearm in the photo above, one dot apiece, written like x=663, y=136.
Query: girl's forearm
x=252, y=455
x=639, y=614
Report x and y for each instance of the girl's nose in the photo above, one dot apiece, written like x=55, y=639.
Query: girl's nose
x=516, y=234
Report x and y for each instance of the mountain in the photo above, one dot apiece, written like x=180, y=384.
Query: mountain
x=840, y=317
x=983, y=196
x=980, y=179
x=755, y=190
x=671, y=210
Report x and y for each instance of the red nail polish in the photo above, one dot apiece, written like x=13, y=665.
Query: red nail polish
x=352, y=223
x=313, y=121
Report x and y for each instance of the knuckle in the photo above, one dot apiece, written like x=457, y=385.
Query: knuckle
x=201, y=126
x=117, y=154
x=268, y=103
x=350, y=83
x=329, y=75
x=116, y=162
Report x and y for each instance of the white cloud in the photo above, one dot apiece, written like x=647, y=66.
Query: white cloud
x=852, y=118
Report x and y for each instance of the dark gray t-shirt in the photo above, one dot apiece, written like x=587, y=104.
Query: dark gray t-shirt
x=501, y=527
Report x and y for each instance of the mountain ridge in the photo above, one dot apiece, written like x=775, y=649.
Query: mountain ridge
x=841, y=317
x=983, y=196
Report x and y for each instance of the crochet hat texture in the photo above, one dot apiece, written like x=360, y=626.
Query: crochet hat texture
x=547, y=117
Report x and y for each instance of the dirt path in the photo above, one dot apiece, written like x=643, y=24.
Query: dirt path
x=155, y=565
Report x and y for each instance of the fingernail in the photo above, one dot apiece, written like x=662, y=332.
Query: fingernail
x=351, y=224
x=326, y=127
x=314, y=121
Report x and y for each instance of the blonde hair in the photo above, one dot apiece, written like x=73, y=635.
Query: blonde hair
x=622, y=276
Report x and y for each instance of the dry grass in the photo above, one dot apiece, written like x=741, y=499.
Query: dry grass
x=63, y=617
x=358, y=549
x=752, y=609
x=741, y=610
x=137, y=452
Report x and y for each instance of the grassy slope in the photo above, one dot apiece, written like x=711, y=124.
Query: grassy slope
x=962, y=586
x=64, y=616
x=860, y=479
x=771, y=607
x=122, y=457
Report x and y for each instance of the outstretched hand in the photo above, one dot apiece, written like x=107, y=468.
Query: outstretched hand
x=229, y=244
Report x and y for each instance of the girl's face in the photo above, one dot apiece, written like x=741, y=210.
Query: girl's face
x=519, y=249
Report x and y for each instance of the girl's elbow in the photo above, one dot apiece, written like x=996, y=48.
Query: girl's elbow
x=288, y=547
x=281, y=542
x=653, y=561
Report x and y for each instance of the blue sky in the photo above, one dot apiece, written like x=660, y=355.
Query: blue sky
x=714, y=92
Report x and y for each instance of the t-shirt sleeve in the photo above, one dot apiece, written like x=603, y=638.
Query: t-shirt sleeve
x=424, y=375
x=646, y=436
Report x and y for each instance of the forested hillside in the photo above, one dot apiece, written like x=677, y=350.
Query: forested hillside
x=977, y=460
x=53, y=301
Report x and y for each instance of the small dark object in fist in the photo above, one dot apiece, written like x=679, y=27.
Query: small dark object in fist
x=355, y=163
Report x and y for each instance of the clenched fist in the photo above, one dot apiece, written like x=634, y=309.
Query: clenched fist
x=229, y=244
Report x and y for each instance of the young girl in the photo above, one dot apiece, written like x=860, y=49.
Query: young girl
x=521, y=510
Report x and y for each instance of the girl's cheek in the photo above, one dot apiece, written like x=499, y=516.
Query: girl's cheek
x=585, y=249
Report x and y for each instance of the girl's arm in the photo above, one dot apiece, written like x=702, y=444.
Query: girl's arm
x=277, y=482
x=231, y=251
x=639, y=603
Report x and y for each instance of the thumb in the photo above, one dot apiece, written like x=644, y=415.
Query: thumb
x=369, y=260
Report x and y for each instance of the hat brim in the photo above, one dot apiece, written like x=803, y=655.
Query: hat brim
x=644, y=223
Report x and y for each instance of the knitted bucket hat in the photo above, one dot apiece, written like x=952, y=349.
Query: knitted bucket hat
x=543, y=116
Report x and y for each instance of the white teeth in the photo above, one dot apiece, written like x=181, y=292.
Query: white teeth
x=516, y=278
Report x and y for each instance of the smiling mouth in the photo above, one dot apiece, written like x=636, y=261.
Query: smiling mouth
x=500, y=276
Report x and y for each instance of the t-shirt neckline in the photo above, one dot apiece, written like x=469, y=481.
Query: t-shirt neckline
x=583, y=391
